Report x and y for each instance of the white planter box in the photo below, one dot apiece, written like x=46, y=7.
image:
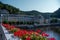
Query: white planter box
x=9, y=36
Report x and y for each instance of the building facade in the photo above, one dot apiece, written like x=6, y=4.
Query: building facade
x=23, y=18
x=40, y=19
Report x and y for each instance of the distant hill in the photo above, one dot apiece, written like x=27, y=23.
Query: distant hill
x=14, y=10
x=56, y=14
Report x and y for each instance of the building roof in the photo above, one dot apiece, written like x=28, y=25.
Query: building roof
x=3, y=11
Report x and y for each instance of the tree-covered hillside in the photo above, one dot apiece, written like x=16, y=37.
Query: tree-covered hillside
x=10, y=8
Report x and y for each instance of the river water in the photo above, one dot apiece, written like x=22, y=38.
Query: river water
x=52, y=34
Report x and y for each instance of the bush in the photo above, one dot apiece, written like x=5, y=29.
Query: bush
x=54, y=20
x=5, y=22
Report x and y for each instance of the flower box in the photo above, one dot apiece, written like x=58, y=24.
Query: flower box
x=25, y=34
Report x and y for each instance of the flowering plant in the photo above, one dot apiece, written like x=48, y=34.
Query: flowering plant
x=28, y=35
x=13, y=30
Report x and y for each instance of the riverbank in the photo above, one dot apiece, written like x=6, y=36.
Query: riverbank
x=56, y=29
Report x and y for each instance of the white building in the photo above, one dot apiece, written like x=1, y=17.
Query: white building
x=3, y=12
x=23, y=18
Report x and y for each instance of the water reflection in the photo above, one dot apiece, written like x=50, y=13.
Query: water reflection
x=52, y=34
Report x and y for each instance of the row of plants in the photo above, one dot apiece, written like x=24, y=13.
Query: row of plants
x=27, y=34
x=54, y=20
x=56, y=29
x=18, y=23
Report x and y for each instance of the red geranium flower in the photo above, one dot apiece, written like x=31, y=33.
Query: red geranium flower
x=37, y=34
x=38, y=31
x=28, y=38
x=44, y=34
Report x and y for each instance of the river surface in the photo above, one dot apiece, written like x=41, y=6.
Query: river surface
x=52, y=34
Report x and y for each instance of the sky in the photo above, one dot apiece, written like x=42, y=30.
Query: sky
x=39, y=5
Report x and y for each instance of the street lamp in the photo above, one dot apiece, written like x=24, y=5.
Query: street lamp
x=1, y=19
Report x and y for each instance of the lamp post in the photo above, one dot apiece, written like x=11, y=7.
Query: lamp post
x=1, y=19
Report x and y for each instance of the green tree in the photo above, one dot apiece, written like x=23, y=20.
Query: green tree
x=1, y=5
x=54, y=20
